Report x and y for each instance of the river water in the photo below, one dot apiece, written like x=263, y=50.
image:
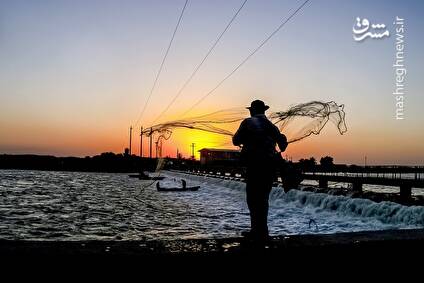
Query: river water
x=48, y=205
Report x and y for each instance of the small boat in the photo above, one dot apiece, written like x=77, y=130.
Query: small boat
x=143, y=176
x=177, y=189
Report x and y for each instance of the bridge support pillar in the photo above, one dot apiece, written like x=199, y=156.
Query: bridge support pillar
x=357, y=187
x=323, y=183
x=405, y=192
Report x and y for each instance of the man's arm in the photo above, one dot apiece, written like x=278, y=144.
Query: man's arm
x=238, y=138
x=281, y=139
x=282, y=142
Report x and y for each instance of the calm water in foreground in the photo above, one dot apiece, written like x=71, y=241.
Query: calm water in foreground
x=45, y=205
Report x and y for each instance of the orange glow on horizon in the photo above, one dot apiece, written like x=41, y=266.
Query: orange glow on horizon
x=182, y=139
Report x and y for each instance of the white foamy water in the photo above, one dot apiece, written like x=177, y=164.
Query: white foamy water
x=372, y=188
x=78, y=206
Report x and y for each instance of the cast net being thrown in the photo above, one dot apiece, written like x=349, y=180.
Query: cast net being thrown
x=297, y=123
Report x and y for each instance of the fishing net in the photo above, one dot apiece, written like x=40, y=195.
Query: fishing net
x=297, y=123
x=305, y=119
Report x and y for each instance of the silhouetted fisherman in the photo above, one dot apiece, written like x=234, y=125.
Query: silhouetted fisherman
x=258, y=137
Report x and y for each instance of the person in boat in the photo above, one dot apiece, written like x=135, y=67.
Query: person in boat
x=258, y=138
x=143, y=175
x=183, y=188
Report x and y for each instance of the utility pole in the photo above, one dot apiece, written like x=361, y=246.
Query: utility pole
x=141, y=141
x=177, y=153
x=151, y=138
x=192, y=150
x=156, y=145
x=365, y=161
x=130, y=138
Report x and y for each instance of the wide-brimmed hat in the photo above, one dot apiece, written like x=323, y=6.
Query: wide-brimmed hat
x=258, y=105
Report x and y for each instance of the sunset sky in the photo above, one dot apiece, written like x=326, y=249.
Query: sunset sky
x=74, y=75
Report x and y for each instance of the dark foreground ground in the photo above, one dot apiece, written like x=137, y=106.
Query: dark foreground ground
x=345, y=255
x=405, y=241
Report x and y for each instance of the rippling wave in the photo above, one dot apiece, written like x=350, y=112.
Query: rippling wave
x=45, y=205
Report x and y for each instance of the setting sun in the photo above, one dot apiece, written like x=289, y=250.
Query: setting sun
x=182, y=139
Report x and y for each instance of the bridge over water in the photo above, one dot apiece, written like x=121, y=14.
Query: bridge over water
x=404, y=177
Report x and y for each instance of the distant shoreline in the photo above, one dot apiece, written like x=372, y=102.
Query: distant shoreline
x=107, y=162
x=104, y=163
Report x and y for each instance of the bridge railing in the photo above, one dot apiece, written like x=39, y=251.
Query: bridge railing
x=385, y=172
x=392, y=175
x=400, y=176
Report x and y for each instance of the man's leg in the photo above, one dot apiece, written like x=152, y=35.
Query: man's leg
x=252, y=204
x=258, y=187
x=265, y=186
x=263, y=210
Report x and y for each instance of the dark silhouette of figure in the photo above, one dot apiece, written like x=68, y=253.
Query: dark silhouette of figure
x=258, y=137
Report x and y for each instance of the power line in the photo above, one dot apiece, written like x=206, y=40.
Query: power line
x=247, y=58
x=163, y=62
x=201, y=62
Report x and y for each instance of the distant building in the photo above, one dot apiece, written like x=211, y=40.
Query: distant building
x=215, y=156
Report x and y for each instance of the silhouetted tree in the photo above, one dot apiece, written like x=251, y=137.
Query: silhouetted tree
x=307, y=163
x=327, y=161
x=108, y=155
